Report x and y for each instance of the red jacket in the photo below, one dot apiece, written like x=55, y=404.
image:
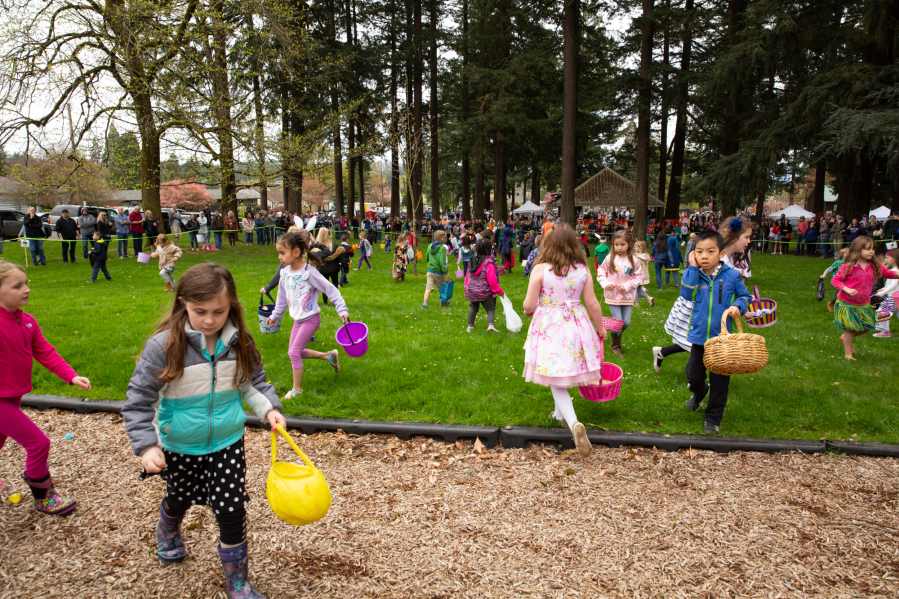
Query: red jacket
x=21, y=342
x=136, y=218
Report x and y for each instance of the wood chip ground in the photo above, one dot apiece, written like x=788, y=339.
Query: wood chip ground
x=425, y=519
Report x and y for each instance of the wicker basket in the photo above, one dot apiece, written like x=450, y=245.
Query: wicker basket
x=735, y=353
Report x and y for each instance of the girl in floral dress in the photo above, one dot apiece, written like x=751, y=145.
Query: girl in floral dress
x=400, y=259
x=564, y=344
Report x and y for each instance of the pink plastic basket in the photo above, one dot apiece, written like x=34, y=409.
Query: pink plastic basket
x=143, y=258
x=613, y=324
x=460, y=274
x=606, y=389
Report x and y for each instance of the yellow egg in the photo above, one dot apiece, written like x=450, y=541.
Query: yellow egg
x=14, y=498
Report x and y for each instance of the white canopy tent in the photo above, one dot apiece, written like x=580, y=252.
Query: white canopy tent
x=528, y=208
x=792, y=213
x=882, y=213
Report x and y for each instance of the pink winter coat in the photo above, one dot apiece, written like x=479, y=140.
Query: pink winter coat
x=21, y=342
x=628, y=277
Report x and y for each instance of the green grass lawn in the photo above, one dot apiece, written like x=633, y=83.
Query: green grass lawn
x=423, y=366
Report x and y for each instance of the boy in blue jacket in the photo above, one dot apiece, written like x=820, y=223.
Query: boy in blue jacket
x=715, y=289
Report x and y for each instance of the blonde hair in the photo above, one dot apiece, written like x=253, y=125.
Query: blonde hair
x=8, y=268
x=163, y=239
x=293, y=229
x=640, y=247
x=693, y=236
x=324, y=236
x=843, y=253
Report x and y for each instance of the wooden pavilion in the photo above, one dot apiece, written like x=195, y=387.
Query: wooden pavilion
x=609, y=189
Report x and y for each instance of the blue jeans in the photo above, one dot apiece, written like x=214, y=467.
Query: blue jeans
x=218, y=240
x=826, y=249
x=194, y=244
x=622, y=313
x=659, y=267
x=37, y=250
x=123, y=244
x=260, y=236
x=84, y=240
x=249, y=237
x=800, y=243
x=670, y=273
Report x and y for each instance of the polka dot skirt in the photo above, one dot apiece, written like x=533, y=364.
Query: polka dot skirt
x=215, y=479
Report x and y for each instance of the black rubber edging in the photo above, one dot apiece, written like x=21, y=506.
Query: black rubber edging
x=522, y=436
x=448, y=433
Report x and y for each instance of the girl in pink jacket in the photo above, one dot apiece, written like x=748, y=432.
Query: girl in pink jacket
x=21, y=342
x=619, y=275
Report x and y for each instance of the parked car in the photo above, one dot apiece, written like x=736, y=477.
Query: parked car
x=13, y=221
x=74, y=212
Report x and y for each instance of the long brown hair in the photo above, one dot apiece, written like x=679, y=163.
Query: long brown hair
x=622, y=234
x=732, y=235
x=862, y=242
x=561, y=249
x=202, y=283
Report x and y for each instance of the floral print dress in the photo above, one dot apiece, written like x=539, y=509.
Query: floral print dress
x=400, y=261
x=562, y=348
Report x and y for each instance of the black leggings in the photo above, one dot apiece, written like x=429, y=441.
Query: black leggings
x=489, y=306
x=334, y=277
x=232, y=525
x=671, y=350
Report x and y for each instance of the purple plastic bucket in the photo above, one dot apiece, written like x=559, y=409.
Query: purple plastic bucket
x=143, y=258
x=356, y=344
x=460, y=274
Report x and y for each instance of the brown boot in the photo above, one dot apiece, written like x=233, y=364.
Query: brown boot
x=168, y=286
x=616, y=344
x=830, y=306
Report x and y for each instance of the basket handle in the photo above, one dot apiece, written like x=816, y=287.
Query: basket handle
x=286, y=435
x=724, y=325
x=347, y=329
x=758, y=298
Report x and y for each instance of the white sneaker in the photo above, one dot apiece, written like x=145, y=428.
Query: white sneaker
x=291, y=394
x=657, y=358
x=491, y=329
x=469, y=329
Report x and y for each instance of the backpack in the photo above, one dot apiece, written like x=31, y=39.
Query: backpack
x=477, y=289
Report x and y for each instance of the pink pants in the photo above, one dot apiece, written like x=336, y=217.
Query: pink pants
x=18, y=426
x=300, y=334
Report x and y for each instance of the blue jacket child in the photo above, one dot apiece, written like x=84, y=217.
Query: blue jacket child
x=711, y=295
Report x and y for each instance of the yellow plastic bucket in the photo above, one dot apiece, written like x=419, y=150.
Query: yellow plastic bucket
x=297, y=494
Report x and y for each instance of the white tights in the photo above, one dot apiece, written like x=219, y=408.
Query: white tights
x=564, y=406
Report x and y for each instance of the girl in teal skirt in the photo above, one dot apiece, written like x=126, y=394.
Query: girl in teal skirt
x=853, y=313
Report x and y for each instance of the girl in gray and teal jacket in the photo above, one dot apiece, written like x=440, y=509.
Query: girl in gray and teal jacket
x=184, y=414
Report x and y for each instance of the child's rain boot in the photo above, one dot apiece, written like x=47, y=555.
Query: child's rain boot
x=235, y=564
x=170, y=548
x=616, y=344
x=168, y=287
x=52, y=502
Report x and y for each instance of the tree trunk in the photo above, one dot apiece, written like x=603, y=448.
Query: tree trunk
x=570, y=34
x=663, y=129
x=418, y=124
x=759, y=207
x=351, y=166
x=221, y=93
x=293, y=200
x=432, y=84
x=644, y=92
x=672, y=205
x=394, y=121
x=731, y=105
x=335, y=108
x=360, y=166
x=479, y=201
x=817, y=199
x=535, y=185
x=854, y=200
x=499, y=183
x=149, y=153
x=260, y=121
x=466, y=176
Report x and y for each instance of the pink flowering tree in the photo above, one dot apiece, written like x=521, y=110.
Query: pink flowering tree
x=184, y=194
x=314, y=194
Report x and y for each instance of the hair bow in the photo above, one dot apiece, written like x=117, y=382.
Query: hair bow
x=736, y=224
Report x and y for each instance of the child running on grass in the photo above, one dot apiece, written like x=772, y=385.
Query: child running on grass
x=364, y=250
x=99, y=255
x=888, y=293
x=835, y=268
x=563, y=347
x=619, y=276
x=482, y=286
x=643, y=257
x=400, y=259
x=715, y=289
x=298, y=289
x=21, y=343
x=168, y=254
x=853, y=313
x=173, y=427
x=437, y=256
